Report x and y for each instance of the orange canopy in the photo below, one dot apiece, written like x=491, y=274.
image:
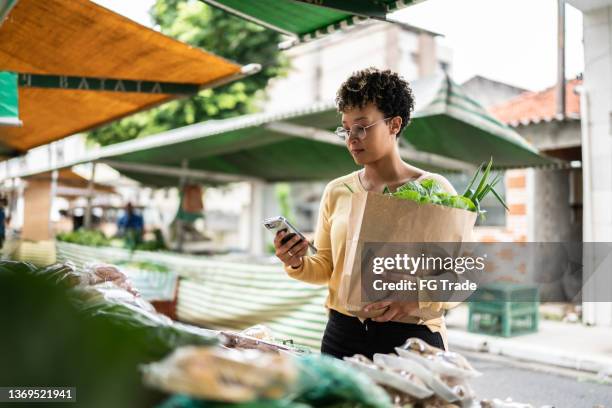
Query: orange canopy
x=81, y=39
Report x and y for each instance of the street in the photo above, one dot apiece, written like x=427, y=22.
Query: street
x=537, y=384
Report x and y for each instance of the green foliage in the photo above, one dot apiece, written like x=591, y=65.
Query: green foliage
x=84, y=237
x=429, y=191
x=213, y=30
x=283, y=194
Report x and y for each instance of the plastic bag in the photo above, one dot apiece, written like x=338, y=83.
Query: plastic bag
x=442, y=362
x=259, y=331
x=325, y=380
x=447, y=388
x=222, y=374
x=404, y=381
x=100, y=272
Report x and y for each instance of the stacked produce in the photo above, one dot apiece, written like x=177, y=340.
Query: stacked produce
x=218, y=376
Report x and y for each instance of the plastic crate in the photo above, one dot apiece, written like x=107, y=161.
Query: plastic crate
x=504, y=309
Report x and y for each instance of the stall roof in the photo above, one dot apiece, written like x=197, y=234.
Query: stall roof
x=70, y=184
x=81, y=65
x=448, y=132
x=307, y=19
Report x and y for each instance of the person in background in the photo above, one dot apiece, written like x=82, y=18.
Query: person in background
x=131, y=226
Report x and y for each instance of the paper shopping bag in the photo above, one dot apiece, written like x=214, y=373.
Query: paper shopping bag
x=380, y=218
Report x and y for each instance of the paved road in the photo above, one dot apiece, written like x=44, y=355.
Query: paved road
x=536, y=384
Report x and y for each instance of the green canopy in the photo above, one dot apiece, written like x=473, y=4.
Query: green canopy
x=449, y=132
x=270, y=147
x=5, y=7
x=8, y=99
x=308, y=19
x=449, y=123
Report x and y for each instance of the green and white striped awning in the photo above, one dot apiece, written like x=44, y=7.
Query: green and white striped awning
x=448, y=122
x=9, y=106
x=310, y=19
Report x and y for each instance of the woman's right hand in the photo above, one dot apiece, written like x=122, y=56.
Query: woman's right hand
x=289, y=254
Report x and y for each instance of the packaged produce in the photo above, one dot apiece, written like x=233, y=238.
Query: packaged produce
x=99, y=272
x=222, y=374
x=445, y=363
x=327, y=381
x=403, y=381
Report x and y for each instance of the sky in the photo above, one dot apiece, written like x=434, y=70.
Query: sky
x=513, y=41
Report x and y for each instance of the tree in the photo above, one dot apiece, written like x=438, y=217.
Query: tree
x=216, y=31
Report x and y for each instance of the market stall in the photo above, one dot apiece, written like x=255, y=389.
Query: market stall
x=186, y=366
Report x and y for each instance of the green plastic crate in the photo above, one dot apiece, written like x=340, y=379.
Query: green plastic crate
x=504, y=309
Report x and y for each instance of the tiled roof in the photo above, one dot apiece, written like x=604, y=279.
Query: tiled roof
x=535, y=107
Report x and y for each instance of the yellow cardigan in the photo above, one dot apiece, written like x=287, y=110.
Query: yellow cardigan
x=330, y=239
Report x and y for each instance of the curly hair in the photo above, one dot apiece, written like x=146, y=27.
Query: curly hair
x=386, y=89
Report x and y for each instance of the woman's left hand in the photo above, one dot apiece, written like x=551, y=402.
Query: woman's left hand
x=395, y=310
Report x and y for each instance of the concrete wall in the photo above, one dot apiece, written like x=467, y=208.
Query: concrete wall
x=37, y=210
x=597, y=147
x=489, y=93
x=551, y=215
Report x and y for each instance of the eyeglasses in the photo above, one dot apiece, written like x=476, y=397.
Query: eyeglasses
x=356, y=130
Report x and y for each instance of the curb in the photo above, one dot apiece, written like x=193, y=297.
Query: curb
x=592, y=363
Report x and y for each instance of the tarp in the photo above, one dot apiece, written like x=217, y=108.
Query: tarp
x=9, y=112
x=307, y=20
x=58, y=46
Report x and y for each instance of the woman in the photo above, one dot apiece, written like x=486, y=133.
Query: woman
x=376, y=107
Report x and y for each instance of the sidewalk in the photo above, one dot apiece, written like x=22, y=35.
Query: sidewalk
x=567, y=345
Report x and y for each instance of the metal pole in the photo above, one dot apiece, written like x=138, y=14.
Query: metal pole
x=561, y=59
x=53, y=192
x=180, y=231
x=90, y=193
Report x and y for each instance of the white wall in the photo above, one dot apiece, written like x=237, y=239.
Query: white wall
x=319, y=67
x=597, y=148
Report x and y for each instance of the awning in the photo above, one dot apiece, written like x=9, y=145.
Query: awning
x=81, y=66
x=449, y=123
x=271, y=147
x=298, y=144
x=9, y=112
x=71, y=185
x=306, y=19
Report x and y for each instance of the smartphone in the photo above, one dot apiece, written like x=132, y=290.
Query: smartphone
x=280, y=223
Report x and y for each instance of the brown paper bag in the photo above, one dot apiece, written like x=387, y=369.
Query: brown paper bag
x=378, y=218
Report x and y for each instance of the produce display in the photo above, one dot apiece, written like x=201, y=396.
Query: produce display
x=207, y=368
x=97, y=238
x=84, y=237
